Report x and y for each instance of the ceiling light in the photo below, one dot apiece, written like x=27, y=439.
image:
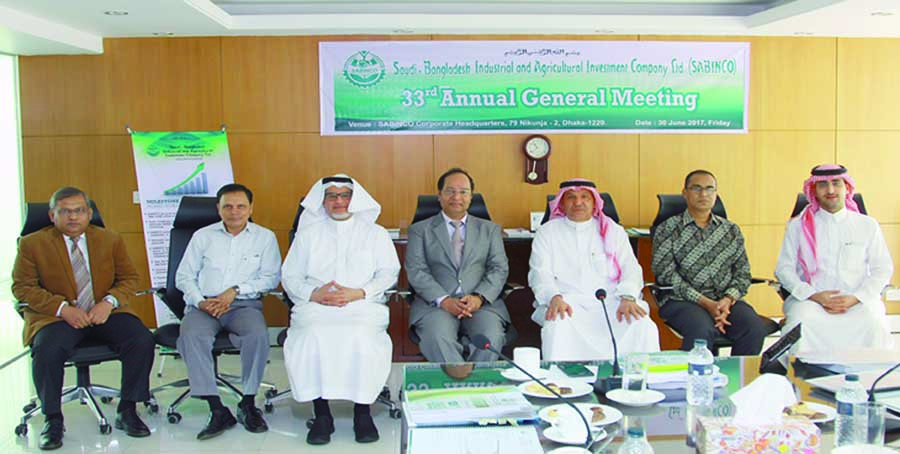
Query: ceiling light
x=605, y=31
x=803, y=33
x=404, y=31
x=116, y=13
x=163, y=33
x=882, y=14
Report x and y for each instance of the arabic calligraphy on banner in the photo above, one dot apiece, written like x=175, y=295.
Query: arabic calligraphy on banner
x=434, y=87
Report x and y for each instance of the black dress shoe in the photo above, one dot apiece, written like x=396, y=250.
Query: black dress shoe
x=52, y=434
x=321, y=430
x=364, y=429
x=129, y=421
x=252, y=419
x=219, y=421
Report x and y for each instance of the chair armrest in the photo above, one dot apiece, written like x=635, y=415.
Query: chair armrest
x=158, y=291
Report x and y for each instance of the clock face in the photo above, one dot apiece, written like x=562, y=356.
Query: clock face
x=537, y=147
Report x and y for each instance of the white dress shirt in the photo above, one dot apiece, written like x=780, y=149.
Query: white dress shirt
x=216, y=260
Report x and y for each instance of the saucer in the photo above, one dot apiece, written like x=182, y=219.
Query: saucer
x=636, y=398
x=552, y=433
x=516, y=375
x=611, y=414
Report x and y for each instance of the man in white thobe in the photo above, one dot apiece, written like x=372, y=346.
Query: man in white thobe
x=336, y=273
x=835, y=263
x=578, y=251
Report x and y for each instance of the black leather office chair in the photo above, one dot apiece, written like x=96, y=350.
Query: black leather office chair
x=88, y=352
x=383, y=398
x=609, y=207
x=193, y=213
x=672, y=205
x=427, y=206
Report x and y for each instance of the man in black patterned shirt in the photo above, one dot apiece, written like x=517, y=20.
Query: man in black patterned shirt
x=702, y=257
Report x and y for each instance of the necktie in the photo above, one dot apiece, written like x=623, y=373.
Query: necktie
x=82, y=278
x=456, y=243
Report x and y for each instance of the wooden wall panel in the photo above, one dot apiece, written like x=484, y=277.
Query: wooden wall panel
x=783, y=160
x=393, y=169
x=666, y=159
x=272, y=83
x=873, y=158
x=868, y=96
x=149, y=84
x=763, y=245
x=794, y=80
x=102, y=166
x=279, y=169
x=497, y=165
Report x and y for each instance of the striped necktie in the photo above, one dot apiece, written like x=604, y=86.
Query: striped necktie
x=82, y=278
x=456, y=243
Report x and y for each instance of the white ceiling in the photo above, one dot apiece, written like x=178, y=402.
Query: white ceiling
x=41, y=27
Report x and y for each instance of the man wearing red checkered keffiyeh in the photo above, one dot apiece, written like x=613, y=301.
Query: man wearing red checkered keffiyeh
x=834, y=262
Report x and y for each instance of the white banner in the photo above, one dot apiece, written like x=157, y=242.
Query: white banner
x=170, y=165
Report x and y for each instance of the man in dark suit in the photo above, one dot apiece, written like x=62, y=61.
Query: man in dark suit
x=457, y=266
x=77, y=279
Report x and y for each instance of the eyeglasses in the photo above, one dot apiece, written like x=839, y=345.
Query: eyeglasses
x=80, y=211
x=332, y=196
x=697, y=189
x=454, y=192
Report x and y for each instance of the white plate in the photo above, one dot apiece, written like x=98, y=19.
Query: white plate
x=569, y=450
x=829, y=412
x=578, y=389
x=516, y=375
x=863, y=449
x=552, y=433
x=564, y=411
x=635, y=398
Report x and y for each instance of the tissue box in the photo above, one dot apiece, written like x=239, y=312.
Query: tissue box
x=794, y=435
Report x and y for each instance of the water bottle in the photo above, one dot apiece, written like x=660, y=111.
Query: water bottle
x=635, y=443
x=700, y=375
x=850, y=427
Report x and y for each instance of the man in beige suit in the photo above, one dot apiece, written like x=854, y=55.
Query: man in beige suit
x=76, y=280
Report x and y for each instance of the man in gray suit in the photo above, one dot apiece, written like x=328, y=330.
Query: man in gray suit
x=457, y=266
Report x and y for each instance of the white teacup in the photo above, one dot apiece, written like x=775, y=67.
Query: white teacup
x=528, y=358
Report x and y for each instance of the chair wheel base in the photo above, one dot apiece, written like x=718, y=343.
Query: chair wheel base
x=309, y=423
x=270, y=394
x=174, y=418
x=105, y=429
x=29, y=407
x=395, y=413
x=106, y=399
x=269, y=408
x=22, y=430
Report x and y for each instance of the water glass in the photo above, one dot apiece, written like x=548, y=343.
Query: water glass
x=635, y=377
x=873, y=415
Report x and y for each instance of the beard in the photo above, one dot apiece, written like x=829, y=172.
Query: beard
x=340, y=216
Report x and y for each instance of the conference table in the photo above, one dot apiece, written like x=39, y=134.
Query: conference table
x=665, y=424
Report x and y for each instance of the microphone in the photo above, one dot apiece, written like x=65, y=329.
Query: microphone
x=872, y=388
x=481, y=342
x=614, y=381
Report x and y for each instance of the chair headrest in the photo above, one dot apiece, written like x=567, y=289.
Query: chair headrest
x=802, y=202
x=195, y=212
x=428, y=205
x=674, y=204
x=36, y=217
x=609, y=207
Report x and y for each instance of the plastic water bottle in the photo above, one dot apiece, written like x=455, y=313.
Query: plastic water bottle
x=700, y=375
x=635, y=443
x=849, y=427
